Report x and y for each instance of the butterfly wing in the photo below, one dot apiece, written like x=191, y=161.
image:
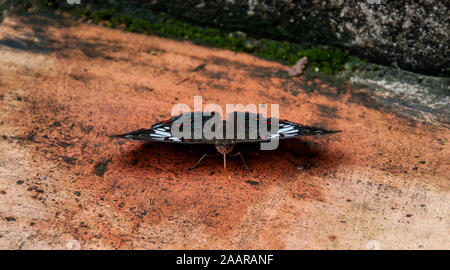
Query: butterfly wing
x=243, y=132
x=286, y=129
x=162, y=131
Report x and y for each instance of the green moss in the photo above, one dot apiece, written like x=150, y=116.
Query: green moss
x=47, y=3
x=83, y=12
x=105, y=14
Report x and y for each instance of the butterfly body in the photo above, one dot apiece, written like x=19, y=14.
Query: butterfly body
x=224, y=148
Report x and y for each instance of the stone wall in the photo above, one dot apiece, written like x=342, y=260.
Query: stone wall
x=413, y=35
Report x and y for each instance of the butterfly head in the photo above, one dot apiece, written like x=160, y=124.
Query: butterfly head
x=224, y=147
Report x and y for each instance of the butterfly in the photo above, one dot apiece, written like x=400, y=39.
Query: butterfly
x=243, y=127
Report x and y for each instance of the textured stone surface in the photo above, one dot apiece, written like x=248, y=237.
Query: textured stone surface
x=411, y=34
x=66, y=185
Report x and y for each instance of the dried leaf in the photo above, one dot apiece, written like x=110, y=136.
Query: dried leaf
x=298, y=68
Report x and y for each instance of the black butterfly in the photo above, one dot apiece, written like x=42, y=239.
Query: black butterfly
x=249, y=133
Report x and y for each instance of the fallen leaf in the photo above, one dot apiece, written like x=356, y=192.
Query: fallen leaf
x=298, y=68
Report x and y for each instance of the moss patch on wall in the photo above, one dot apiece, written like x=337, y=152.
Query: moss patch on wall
x=327, y=60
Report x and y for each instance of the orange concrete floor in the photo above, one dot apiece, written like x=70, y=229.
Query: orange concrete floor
x=65, y=184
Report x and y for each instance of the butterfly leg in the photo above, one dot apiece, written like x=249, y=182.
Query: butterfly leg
x=242, y=159
x=198, y=162
x=225, y=166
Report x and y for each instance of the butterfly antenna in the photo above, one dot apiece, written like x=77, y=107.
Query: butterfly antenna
x=225, y=166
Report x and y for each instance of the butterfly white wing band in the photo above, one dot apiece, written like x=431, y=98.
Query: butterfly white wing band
x=288, y=129
x=158, y=134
